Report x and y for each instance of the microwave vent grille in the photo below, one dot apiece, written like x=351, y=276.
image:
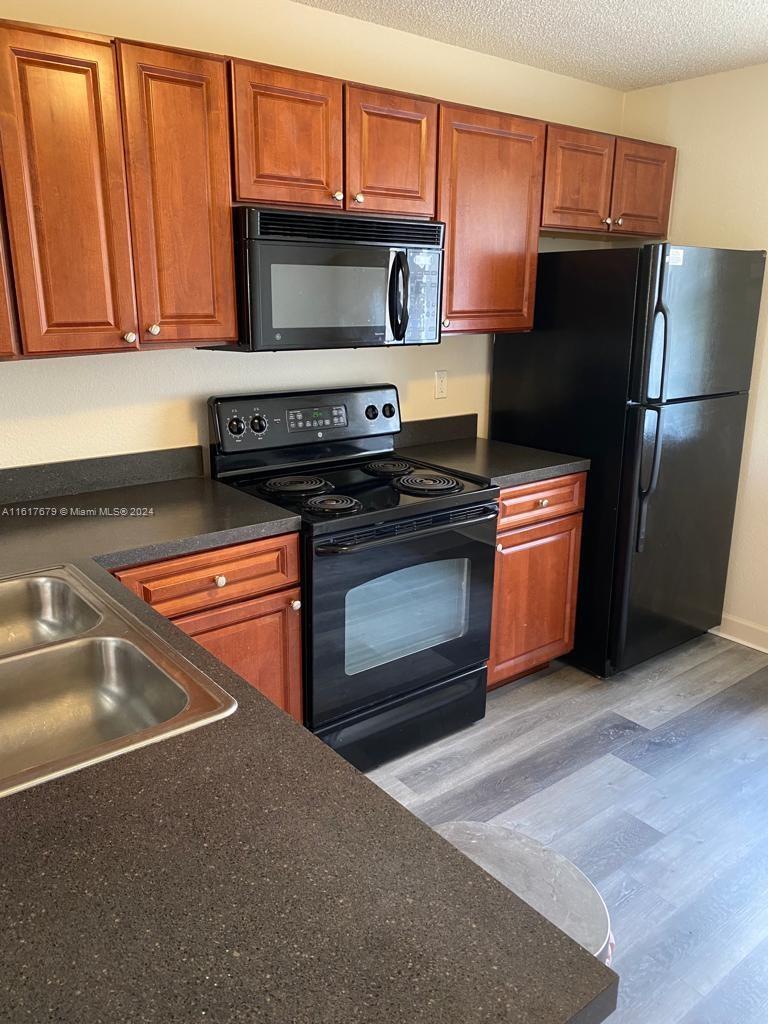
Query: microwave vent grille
x=280, y=224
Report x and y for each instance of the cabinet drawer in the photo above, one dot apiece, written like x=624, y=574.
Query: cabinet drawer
x=188, y=584
x=545, y=499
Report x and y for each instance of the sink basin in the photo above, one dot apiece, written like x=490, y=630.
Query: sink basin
x=38, y=610
x=69, y=701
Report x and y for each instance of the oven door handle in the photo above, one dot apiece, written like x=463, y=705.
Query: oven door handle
x=344, y=548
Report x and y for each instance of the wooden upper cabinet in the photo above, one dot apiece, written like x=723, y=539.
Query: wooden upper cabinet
x=391, y=152
x=65, y=191
x=642, y=188
x=577, y=179
x=8, y=332
x=175, y=112
x=489, y=195
x=288, y=136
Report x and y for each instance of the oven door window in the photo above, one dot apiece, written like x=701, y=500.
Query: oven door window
x=320, y=296
x=406, y=611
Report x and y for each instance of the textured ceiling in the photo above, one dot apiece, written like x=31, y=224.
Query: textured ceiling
x=619, y=43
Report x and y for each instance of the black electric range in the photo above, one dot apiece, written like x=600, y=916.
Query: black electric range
x=398, y=563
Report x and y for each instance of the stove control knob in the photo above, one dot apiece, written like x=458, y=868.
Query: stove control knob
x=371, y=412
x=258, y=424
x=388, y=410
x=236, y=426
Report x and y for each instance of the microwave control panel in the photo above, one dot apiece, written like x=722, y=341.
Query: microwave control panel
x=241, y=423
x=424, y=291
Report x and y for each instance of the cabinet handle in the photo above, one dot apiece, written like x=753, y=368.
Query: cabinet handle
x=446, y=323
x=359, y=198
x=154, y=329
x=607, y=220
x=296, y=606
x=338, y=196
x=130, y=337
x=499, y=547
x=620, y=221
x=220, y=581
x=543, y=502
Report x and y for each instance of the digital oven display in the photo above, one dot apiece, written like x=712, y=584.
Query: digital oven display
x=317, y=417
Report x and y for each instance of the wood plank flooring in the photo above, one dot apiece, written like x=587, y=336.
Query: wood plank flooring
x=656, y=784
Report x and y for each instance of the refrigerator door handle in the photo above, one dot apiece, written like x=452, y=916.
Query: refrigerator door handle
x=660, y=310
x=646, y=492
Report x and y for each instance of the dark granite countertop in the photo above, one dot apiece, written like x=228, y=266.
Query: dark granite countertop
x=504, y=464
x=243, y=872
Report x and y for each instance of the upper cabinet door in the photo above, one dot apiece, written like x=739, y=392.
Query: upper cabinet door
x=8, y=333
x=489, y=195
x=578, y=171
x=288, y=136
x=391, y=153
x=65, y=192
x=177, y=140
x=642, y=188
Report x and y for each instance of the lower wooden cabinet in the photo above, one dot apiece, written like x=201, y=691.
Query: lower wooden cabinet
x=260, y=640
x=536, y=581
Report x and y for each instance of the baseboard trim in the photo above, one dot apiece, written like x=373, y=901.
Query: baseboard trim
x=742, y=631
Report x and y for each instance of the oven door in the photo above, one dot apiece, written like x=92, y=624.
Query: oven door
x=306, y=296
x=397, y=607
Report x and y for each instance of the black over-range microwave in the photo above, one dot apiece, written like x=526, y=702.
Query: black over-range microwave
x=326, y=280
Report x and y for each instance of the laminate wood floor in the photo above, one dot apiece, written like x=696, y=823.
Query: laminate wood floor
x=655, y=784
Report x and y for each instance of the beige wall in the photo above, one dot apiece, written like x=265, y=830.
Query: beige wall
x=57, y=409
x=720, y=125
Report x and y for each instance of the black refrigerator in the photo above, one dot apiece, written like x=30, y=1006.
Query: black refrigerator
x=640, y=359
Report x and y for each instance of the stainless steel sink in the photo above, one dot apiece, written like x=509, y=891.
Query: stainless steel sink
x=37, y=610
x=71, y=702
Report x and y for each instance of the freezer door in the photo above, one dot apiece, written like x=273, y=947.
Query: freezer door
x=698, y=337
x=682, y=471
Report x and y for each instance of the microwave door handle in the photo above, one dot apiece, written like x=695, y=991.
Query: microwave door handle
x=392, y=295
x=405, y=275
x=349, y=547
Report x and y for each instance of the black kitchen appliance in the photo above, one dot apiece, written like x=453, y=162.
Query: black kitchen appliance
x=328, y=280
x=640, y=359
x=398, y=562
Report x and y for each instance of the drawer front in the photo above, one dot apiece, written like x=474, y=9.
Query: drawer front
x=543, y=500
x=181, y=585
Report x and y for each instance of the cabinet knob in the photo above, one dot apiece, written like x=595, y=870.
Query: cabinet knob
x=130, y=337
x=338, y=196
x=543, y=502
x=620, y=221
x=220, y=581
x=296, y=606
x=607, y=220
x=446, y=323
x=499, y=547
x=154, y=329
x=359, y=198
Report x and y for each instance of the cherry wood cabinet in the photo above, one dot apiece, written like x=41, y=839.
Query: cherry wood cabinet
x=8, y=331
x=261, y=641
x=175, y=115
x=65, y=192
x=242, y=603
x=489, y=195
x=536, y=576
x=578, y=178
x=288, y=129
x=642, y=188
x=391, y=143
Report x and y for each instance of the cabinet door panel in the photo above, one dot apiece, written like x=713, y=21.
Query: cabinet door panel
x=177, y=140
x=490, y=198
x=8, y=331
x=288, y=136
x=534, y=597
x=642, y=188
x=391, y=152
x=261, y=641
x=65, y=192
x=578, y=171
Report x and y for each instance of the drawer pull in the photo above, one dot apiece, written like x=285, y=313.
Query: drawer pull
x=499, y=547
x=296, y=606
x=543, y=502
x=220, y=581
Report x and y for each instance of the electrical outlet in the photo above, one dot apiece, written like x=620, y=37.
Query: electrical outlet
x=441, y=383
